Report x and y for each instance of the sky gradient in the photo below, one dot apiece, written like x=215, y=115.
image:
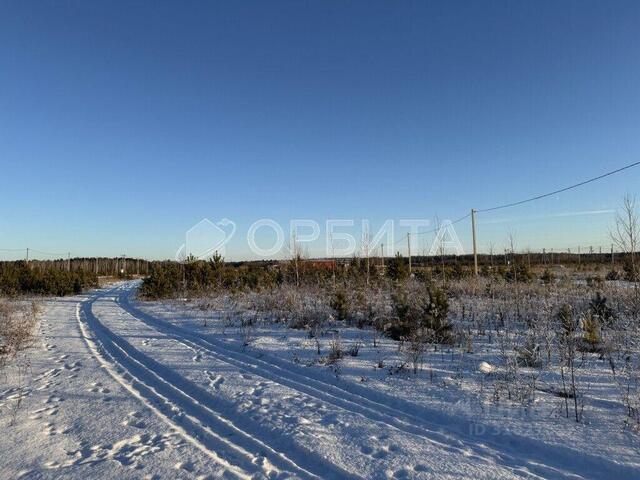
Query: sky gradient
x=124, y=124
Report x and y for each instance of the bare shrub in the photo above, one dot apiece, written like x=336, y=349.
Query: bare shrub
x=415, y=349
x=18, y=320
x=354, y=349
x=247, y=327
x=529, y=353
x=335, y=349
x=568, y=344
x=626, y=236
x=17, y=326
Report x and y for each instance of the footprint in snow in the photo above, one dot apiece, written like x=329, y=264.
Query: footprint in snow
x=49, y=411
x=45, y=386
x=28, y=474
x=373, y=453
x=54, y=372
x=127, y=452
x=214, y=380
x=188, y=466
x=97, y=387
x=258, y=392
x=50, y=429
x=402, y=473
x=366, y=449
x=380, y=454
x=330, y=419
x=21, y=394
x=133, y=420
x=74, y=367
x=52, y=465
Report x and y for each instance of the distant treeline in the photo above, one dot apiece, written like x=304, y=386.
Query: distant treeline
x=100, y=266
x=65, y=276
x=21, y=277
x=168, y=279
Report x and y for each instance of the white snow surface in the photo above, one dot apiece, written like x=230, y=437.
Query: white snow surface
x=119, y=388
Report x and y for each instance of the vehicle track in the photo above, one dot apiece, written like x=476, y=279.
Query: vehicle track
x=192, y=410
x=392, y=412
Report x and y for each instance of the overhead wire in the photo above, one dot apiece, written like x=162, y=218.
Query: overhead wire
x=555, y=192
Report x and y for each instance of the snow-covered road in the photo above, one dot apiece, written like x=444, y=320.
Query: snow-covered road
x=116, y=392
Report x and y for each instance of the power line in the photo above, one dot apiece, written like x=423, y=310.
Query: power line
x=31, y=250
x=48, y=253
x=538, y=197
x=435, y=230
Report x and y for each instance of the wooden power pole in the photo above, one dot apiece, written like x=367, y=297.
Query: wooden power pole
x=409, y=250
x=612, y=261
x=475, y=249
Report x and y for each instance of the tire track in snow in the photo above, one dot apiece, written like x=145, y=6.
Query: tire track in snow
x=155, y=402
x=187, y=407
x=539, y=460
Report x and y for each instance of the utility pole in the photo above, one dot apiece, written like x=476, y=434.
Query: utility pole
x=475, y=250
x=68, y=261
x=612, y=262
x=333, y=273
x=382, y=256
x=367, y=252
x=295, y=259
x=27, y=254
x=333, y=261
x=409, y=250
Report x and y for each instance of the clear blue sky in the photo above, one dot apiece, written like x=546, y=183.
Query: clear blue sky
x=123, y=124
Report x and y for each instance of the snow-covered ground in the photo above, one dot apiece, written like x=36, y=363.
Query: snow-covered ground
x=119, y=388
